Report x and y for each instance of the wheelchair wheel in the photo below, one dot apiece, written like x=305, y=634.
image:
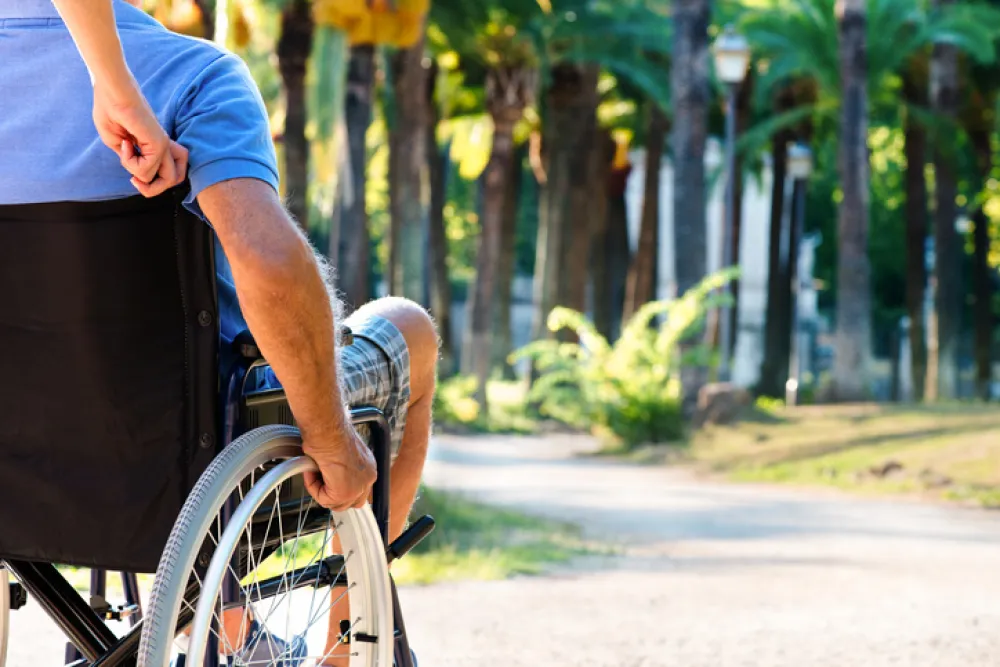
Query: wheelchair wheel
x=248, y=576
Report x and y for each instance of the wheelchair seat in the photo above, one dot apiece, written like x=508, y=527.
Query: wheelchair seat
x=109, y=402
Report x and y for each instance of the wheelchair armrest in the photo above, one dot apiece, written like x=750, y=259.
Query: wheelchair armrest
x=246, y=346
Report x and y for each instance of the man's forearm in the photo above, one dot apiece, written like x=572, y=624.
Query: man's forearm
x=92, y=25
x=284, y=299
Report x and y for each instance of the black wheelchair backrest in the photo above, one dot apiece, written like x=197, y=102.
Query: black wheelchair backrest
x=109, y=393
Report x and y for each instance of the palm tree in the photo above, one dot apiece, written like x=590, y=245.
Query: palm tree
x=568, y=122
x=914, y=91
x=982, y=86
x=577, y=38
x=437, y=172
x=354, y=239
x=611, y=266
x=293, y=50
x=508, y=90
x=799, y=38
x=947, y=269
x=491, y=45
x=689, y=84
x=503, y=344
x=853, y=338
x=408, y=162
x=506, y=46
x=399, y=24
x=642, y=273
x=774, y=365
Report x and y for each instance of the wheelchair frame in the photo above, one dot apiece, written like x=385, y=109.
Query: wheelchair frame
x=99, y=645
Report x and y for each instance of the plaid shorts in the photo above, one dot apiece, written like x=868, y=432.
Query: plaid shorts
x=375, y=372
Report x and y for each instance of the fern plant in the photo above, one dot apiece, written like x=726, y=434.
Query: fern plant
x=632, y=389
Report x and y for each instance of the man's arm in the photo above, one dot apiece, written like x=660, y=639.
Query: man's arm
x=121, y=113
x=287, y=306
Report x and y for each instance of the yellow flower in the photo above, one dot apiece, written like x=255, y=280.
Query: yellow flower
x=395, y=22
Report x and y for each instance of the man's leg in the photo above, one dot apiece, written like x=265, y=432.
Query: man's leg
x=422, y=341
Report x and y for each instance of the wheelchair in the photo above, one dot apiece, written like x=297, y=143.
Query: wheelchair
x=131, y=440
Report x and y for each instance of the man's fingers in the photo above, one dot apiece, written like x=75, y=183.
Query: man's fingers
x=180, y=155
x=140, y=166
x=317, y=489
x=167, y=171
x=144, y=162
x=109, y=138
x=153, y=189
x=125, y=152
x=314, y=485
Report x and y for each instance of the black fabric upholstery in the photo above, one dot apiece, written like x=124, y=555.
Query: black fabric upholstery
x=108, y=393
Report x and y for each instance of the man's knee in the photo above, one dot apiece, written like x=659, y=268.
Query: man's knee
x=421, y=337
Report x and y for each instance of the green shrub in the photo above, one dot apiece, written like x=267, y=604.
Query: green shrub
x=631, y=390
x=454, y=403
x=455, y=406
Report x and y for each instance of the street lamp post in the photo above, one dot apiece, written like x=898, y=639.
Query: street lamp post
x=800, y=165
x=732, y=56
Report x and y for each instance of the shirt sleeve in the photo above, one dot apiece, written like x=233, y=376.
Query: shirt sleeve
x=222, y=121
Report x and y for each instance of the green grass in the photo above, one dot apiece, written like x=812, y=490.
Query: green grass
x=471, y=541
x=477, y=541
x=947, y=451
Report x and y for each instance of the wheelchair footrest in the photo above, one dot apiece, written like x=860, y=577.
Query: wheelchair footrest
x=18, y=596
x=410, y=538
x=110, y=612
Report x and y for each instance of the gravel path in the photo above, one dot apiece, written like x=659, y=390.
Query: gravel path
x=707, y=574
x=712, y=575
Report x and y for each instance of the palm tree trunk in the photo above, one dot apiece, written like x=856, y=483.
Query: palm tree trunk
x=564, y=148
x=689, y=86
x=407, y=142
x=582, y=221
x=915, y=147
x=947, y=270
x=642, y=274
x=354, y=254
x=602, y=250
x=503, y=344
x=774, y=366
x=478, y=350
x=617, y=253
x=983, y=290
x=293, y=50
x=853, y=315
x=982, y=275
x=744, y=98
x=437, y=170
x=689, y=89
x=391, y=272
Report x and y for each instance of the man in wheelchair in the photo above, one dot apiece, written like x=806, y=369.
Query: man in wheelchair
x=269, y=280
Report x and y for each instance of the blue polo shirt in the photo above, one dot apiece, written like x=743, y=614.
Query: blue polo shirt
x=203, y=96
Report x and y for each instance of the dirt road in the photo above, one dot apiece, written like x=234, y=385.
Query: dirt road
x=712, y=575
